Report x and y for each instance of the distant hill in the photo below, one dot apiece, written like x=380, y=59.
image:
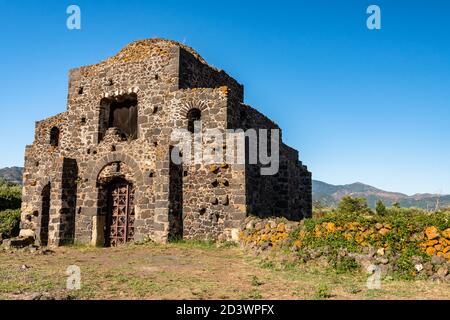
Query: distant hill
x=330, y=195
x=13, y=174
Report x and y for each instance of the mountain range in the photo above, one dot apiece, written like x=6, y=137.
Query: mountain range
x=328, y=194
x=13, y=174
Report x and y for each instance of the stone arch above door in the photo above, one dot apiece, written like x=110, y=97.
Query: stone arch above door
x=109, y=160
x=116, y=170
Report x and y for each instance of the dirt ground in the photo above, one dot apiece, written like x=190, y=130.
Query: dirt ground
x=187, y=271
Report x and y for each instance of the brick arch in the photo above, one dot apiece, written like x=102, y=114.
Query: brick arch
x=186, y=107
x=116, y=157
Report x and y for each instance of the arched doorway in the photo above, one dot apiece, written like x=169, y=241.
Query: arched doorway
x=119, y=228
x=45, y=215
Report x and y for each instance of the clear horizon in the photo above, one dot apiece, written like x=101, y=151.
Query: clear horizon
x=358, y=104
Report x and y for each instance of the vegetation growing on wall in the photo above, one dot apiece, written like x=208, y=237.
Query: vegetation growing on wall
x=9, y=223
x=402, y=241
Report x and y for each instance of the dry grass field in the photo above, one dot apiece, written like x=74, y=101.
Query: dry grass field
x=187, y=271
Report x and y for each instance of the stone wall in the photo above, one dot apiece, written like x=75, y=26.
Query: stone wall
x=195, y=73
x=286, y=194
x=407, y=251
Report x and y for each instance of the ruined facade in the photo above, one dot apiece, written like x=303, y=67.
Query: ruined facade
x=100, y=173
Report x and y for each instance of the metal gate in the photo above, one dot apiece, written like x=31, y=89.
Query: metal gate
x=121, y=214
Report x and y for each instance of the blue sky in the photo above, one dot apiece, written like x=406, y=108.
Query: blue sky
x=360, y=105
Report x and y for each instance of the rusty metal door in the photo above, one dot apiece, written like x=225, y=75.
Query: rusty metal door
x=121, y=214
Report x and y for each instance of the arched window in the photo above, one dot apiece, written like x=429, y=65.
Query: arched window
x=193, y=116
x=54, y=137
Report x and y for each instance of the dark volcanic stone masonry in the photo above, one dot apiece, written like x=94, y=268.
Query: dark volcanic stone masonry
x=100, y=173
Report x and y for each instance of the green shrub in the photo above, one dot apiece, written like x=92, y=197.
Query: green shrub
x=405, y=211
x=320, y=212
x=323, y=292
x=349, y=204
x=10, y=196
x=405, y=267
x=256, y=282
x=380, y=208
x=333, y=241
x=343, y=264
x=9, y=223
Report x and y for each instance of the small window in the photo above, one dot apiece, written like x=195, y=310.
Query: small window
x=54, y=137
x=193, y=116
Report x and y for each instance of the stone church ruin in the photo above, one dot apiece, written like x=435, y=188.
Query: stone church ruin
x=100, y=173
